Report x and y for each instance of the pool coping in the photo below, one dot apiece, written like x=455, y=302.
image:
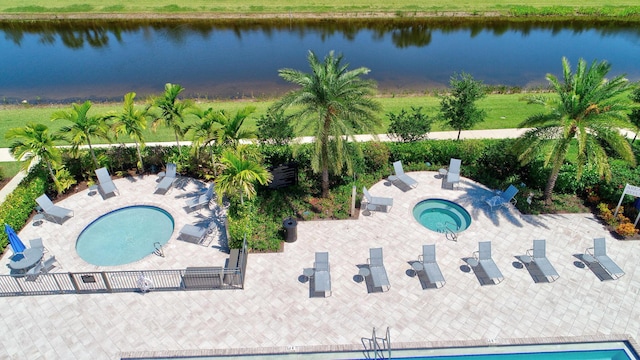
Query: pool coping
x=301, y=350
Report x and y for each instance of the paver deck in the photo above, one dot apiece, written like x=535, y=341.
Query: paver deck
x=276, y=310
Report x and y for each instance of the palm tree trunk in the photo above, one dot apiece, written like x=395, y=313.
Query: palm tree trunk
x=177, y=142
x=139, y=156
x=93, y=155
x=324, y=157
x=53, y=177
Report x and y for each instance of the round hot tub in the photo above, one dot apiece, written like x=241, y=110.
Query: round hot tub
x=125, y=235
x=442, y=216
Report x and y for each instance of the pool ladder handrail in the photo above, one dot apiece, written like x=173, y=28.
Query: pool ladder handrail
x=158, y=249
x=386, y=345
x=448, y=232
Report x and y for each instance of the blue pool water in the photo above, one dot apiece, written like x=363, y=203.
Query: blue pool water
x=617, y=354
x=442, y=215
x=124, y=235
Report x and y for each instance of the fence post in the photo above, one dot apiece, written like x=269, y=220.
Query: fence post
x=106, y=282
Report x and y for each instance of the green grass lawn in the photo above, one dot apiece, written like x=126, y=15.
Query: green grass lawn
x=364, y=7
x=503, y=111
x=10, y=169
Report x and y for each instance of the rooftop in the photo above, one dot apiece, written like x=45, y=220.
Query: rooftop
x=276, y=309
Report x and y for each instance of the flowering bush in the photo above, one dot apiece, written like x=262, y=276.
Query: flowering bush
x=626, y=229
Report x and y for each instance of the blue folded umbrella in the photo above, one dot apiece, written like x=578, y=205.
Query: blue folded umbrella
x=14, y=240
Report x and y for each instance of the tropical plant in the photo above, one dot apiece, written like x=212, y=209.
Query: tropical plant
x=232, y=131
x=634, y=116
x=334, y=103
x=132, y=122
x=241, y=171
x=586, y=109
x=205, y=131
x=410, y=127
x=83, y=127
x=172, y=110
x=274, y=128
x=458, y=109
x=35, y=141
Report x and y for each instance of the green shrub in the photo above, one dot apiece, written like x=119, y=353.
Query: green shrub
x=409, y=127
x=19, y=205
x=376, y=156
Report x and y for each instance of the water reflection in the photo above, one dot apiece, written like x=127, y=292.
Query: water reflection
x=404, y=33
x=70, y=60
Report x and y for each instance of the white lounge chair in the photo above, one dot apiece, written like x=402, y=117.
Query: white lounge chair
x=105, y=184
x=453, y=174
x=321, y=275
x=402, y=177
x=430, y=266
x=377, y=269
x=203, y=199
x=375, y=203
x=504, y=199
x=598, y=253
x=484, y=260
x=53, y=212
x=167, y=181
x=192, y=233
x=538, y=256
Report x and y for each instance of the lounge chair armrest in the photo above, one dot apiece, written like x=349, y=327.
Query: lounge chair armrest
x=589, y=251
x=476, y=255
x=530, y=253
x=513, y=201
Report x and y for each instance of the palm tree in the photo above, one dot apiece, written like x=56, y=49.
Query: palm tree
x=334, y=103
x=240, y=174
x=83, y=127
x=231, y=131
x=204, y=132
x=35, y=141
x=172, y=110
x=131, y=122
x=587, y=108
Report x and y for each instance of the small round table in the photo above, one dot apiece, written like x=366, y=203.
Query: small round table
x=308, y=272
x=417, y=266
x=526, y=259
x=93, y=189
x=38, y=218
x=28, y=258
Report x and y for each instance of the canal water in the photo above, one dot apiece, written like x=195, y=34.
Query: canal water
x=51, y=61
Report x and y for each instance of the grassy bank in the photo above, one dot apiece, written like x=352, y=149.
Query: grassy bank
x=503, y=111
x=333, y=8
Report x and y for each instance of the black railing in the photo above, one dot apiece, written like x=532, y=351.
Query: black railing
x=192, y=278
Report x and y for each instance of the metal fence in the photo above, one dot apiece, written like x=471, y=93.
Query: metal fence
x=191, y=278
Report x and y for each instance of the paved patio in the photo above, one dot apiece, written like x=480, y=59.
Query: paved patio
x=276, y=311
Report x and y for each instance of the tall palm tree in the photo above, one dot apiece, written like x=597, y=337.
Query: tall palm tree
x=35, y=141
x=83, y=126
x=334, y=103
x=240, y=174
x=132, y=122
x=172, y=110
x=587, y=108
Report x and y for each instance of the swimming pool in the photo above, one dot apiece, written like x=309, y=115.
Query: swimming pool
x=442, y=216
x=125, y=235
x=596, y=350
